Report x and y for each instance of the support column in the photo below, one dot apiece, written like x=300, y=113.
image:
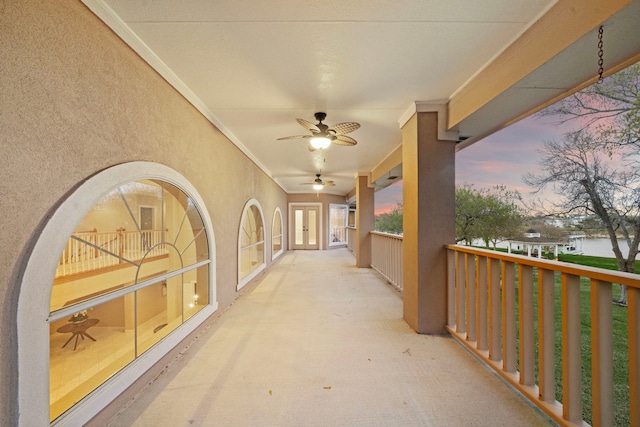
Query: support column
x=365, y=221
x=428, y=169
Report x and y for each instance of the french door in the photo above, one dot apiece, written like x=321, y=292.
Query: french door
x=305, y=227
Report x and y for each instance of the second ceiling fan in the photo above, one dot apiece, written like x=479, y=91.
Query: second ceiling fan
x=319, y=183
x=322, y=135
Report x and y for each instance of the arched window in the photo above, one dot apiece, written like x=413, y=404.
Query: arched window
x=251, y=256
x=133, y=275
x=276, y=234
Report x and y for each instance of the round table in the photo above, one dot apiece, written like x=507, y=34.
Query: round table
x=77, y=330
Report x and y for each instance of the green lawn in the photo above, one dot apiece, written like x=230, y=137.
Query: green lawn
x=620, y=340
x=594, y=261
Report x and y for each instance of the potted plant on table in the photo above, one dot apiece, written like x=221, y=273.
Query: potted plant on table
x=79, y=317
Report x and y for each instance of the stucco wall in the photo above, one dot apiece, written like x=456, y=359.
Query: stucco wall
x=76, y=100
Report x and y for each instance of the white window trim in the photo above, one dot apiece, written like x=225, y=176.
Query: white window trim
x=244, y=280
x=275, y=255
x=346, y=221
x=35, y=294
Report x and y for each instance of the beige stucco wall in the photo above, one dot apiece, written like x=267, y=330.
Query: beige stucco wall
x=76, y=100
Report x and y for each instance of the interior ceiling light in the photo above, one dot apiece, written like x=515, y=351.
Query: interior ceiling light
x=320, y=142
x=318, y=187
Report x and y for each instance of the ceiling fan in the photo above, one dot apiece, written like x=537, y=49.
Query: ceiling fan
x=322, y=135
x=319, y=184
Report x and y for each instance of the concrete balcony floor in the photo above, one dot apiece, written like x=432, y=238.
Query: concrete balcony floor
x=319, y=342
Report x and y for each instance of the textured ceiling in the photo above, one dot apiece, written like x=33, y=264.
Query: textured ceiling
x=253, y=67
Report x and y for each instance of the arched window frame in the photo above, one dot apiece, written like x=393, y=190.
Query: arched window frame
x=244, y=280
x=35, y=294
x=277, y=214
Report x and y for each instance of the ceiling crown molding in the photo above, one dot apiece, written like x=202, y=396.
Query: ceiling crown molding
x=113, y=21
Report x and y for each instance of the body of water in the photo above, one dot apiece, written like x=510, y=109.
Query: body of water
x=594, y=247
x=602, y=247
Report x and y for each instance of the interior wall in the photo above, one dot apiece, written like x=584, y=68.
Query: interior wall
x=77, y=100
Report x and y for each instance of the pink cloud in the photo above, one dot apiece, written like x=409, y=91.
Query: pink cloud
x=500, y=159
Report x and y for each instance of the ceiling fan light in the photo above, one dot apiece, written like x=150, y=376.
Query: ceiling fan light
x=318, y=187
x=320, y=142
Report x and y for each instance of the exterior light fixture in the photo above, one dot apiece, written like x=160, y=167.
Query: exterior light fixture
x=320, y=142
x=318, y=187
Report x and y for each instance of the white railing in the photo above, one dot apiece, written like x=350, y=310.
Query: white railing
x=338, y=235
x=386, y=257
x=492, y=310
x=89, y=250
x=351, y=239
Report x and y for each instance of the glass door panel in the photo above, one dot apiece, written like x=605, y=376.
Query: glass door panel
x=306, y=227
x=298, y=216
x=312, y=217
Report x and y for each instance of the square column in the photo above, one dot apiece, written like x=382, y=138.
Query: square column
x=428, y=168
x=365, y=221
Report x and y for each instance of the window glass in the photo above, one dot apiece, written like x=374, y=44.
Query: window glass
x=338, y=215
x=111, y=242
x=195, y=291
x=277, y=243
x=299, y=224
x=276, y=239
x=86, y=349
x=251, y=256
x=252, y=230
x=141, y=253
x=312, y=227
x=251, y=241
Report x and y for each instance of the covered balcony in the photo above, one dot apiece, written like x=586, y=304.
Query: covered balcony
x=154, y=183
x=317, y=342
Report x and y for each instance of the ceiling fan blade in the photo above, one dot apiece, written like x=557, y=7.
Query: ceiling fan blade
x=308, y=126
x=329, y=184
x=344, y=140
x=294, y=137
x=342, y=128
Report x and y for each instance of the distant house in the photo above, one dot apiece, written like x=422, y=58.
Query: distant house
x=555, y=222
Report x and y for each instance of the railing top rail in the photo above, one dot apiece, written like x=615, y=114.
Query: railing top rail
x=601, y=274
x=380, y=233
x=104, y=233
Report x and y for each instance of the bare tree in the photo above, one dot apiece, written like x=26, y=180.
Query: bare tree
x=577, y=170
x=609, y=110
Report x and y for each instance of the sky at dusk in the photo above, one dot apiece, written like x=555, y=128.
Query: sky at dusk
x=500, y=159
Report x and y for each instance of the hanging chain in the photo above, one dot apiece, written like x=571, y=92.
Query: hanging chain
x=600, y=54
